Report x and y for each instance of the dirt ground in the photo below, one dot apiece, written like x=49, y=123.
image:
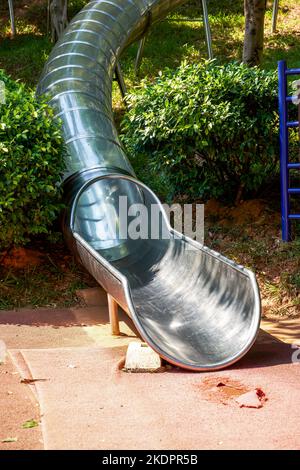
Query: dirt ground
x=43, y=274
x=250, y=234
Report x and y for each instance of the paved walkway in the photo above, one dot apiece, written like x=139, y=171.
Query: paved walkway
x=88, y=402
x=17, y=406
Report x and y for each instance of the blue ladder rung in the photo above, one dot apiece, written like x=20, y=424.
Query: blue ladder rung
x=292, y=71
x=289, y=99
x=294, y=216
x=294, y=190
x=293, y=166
x=292, y=124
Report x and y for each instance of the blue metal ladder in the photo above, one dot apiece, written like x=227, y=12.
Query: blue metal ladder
x=285, y=164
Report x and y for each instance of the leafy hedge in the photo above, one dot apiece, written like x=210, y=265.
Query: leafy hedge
x=204, y=130
x=31, y=165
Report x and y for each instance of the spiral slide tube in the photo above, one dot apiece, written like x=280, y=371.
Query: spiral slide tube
x=196, y=308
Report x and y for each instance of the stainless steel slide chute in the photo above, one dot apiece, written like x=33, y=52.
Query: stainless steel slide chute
x=196, y=308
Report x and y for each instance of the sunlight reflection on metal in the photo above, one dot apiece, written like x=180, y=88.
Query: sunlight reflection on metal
x=196, y=308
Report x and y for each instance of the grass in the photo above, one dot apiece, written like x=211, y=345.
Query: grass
x=180, y=36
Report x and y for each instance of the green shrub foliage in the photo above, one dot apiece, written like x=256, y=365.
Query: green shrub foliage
x=204, y=130
x=31, y=164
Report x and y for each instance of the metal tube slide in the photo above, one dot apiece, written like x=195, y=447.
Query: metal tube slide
x=196, y=308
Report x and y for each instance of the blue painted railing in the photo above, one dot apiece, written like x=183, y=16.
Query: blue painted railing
x=285, y=164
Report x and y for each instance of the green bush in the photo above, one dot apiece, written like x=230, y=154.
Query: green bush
x=31, y=165
x=204, y=130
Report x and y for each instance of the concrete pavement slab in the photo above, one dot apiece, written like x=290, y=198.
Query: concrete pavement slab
x=57, y=328
x=88, y=402
x=95, y=405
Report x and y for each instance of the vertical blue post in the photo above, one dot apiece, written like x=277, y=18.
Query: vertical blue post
x=284, y=149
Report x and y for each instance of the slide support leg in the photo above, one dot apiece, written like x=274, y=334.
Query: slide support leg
x=12, y=18
x=120, y=80
x=207, y=30
x=113, y=315
x=139, y=55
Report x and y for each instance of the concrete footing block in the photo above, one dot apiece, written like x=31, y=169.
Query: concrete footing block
x=93, y=297
x=141, y=358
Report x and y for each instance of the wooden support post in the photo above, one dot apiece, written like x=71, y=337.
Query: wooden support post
x=58, y=10
x=274, y=16
x=113, y=315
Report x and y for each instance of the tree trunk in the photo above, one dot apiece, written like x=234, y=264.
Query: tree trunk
x=58, y=17
x=254, y=31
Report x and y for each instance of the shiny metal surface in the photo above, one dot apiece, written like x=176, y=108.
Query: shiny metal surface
x=196, y=308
